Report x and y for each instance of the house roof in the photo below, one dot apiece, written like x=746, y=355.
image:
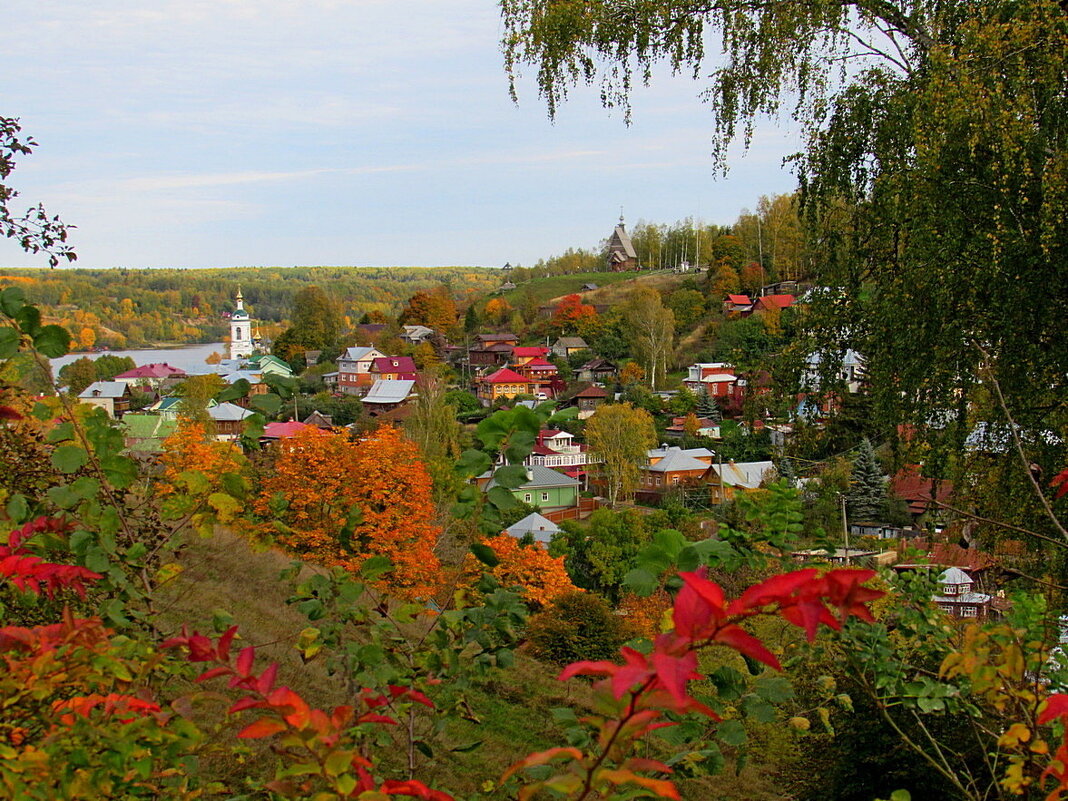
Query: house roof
x=496, y=337
x=955, y=575
x=776, y=301
x=105, y=389
x=541, y=477
x=228, y=413
x=592, y=392
x=747, y=475
x=740, y=300
x=717, y=378
x=542, y=528
x=359, y=354
x=417, y=331
x=506, y=376
x=550, y=433
x=666, y=449
x=394, y=364
x=533, y=351
x=917, y=491
x=598, y=364
x=318, y=419
x=158, y=370
x=148, y=427
x=389, y=391
x=539, y=362
x=570, y=342
x=283, y=430
x=676, y=460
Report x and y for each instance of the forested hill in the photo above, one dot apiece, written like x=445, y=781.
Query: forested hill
x=132, y=308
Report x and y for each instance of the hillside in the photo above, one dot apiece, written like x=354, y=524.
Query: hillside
x=224, y=577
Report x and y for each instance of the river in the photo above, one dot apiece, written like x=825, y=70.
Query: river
x=190, y=358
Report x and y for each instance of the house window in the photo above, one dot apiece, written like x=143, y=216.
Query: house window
x=545, y=496
x=950, y=589
x=674, y=479
x=969, y=611
x=526, y=497
x=658, y=481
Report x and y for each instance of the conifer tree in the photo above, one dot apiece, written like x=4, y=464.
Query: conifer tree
x=707, y=406
x=866, y=500
x=471, y=321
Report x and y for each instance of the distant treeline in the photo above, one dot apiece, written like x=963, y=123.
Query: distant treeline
x=132, y=308
x=773, y=236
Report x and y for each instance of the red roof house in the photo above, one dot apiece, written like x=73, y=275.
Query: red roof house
x=769, y=302
x=394, y=368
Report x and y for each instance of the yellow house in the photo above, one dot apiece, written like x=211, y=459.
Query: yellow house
x=504, y=383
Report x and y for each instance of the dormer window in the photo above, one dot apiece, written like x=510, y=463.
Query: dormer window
x=950, y=589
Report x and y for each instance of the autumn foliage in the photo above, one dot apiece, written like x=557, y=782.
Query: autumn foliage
x=540, y=576
x=339, y=502
x=571, y=311
x=191, y=447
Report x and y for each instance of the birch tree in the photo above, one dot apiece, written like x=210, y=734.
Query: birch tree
x=651, y=330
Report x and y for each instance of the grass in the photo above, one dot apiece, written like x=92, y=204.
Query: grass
x=556, y=286
x=511, y=715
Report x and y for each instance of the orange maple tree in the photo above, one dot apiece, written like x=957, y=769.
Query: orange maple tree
x=341, y=502
x=541, y=576
x=191, y=447
x=571, y=311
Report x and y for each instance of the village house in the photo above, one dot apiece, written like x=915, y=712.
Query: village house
x=319, y=420
x=538, y=371
x=737, y=305
x=716, y=378
x=229, y=420
x=414, y=334
x=354, y=369
x=706, y=427
x=598, y=369
x=587, y=399
x=670, y=465
x=503, y=383
x=111, y=396
x=768, y=303
x=387, y=394
x=728, y=479
x=523, y=354
x=850, y=372
x=499, y=353
x=958, y=597
x=923, y=496
x=536, y=526
x=558, y=449
x=151, y=375
x=393, y=368
x=554, y=494
x=565, y=346
x=500, y=338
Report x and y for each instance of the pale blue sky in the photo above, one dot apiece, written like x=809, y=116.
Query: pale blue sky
x=368, y=132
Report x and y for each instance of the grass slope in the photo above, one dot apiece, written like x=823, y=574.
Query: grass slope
x=511, y=714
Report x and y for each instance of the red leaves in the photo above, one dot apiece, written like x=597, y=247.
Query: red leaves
x=264, y=727
x=660, y=681
x=1056, y=707
x=125, y=708
x=31, y=573
x=1060, y=480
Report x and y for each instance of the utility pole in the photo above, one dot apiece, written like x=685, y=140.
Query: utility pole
x=845, y=528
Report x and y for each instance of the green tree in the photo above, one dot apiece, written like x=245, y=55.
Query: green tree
x=196, y=393
x=707, y=406
x=933, y=175
x=471, y=320
x=315, y=324
x=620, y=435
x=651, y=330
x=866, y=500
x=78, y=374
x=108, y=366
x=433, y=428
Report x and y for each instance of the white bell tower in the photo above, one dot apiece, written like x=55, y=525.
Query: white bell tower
x=240, y=330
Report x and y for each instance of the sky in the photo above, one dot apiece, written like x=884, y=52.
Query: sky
x=334, y=132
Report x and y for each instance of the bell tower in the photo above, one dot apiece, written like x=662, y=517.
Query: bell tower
x=240, y=330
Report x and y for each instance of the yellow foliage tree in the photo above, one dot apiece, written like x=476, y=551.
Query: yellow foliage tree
x=541, y=577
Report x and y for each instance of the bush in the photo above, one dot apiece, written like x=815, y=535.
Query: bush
x=576, y=626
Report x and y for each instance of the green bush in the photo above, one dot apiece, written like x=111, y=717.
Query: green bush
x=577, y=625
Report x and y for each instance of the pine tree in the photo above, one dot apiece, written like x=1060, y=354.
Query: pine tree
x=707, y=406
x=866, y=500
x=471, y=321
x=787, y=472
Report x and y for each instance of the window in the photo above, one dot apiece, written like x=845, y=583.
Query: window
x=949, y=589
x=658, y=481
x=674, y=479
x=545, y=496
x=526, y=498
x=969, y=611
